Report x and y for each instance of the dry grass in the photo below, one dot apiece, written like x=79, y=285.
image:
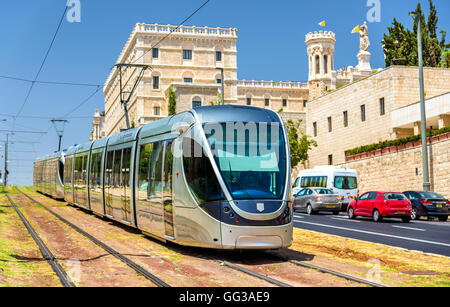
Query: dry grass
x=398, y=266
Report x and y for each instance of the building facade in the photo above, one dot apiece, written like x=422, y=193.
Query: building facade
x=373, y=110
x=188, y=61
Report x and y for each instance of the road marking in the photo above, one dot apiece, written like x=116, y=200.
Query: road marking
x=376, y=234
x=409, y=228
x=345, y=219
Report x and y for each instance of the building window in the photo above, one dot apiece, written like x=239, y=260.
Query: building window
x=155, y=53
x=267, y=102
x=346, y=119
x=330, y=125
x=315, y=129
x=304, y=103
x=187, y=54
x=317, y=64
x=196, y=104
x=219, y=81
x=155, y=82
x=363, y=113
x=157, y=111
x=382, y=107
x=188, y=80
x=218, y=56
x=285, y=102
x=249, y=101
x=325, y=63
x=330, y=160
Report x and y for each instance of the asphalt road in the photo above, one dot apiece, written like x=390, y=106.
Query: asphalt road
x=426, y=236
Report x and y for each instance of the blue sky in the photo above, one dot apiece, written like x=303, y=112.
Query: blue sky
x=270, y=47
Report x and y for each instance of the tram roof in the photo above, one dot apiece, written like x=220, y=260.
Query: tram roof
x=233, y=113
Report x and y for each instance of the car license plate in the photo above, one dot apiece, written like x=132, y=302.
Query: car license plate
x=401, y=212
x=439, y=205
x=331, y=206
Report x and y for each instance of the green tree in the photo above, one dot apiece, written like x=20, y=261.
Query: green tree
x=218, y=100
x=401, y=43
x=445, y=63
x=299, y=143
x=172, y=101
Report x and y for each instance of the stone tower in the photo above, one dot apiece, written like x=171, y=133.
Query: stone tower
x=321, y=62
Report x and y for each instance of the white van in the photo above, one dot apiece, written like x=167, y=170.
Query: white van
x=342, y=181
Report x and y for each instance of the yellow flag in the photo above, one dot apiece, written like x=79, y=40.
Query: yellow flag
x=322, y=24
x=356, y=29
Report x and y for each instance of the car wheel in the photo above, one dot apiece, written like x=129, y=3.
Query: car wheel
x=443, y=218
x=406, y=219
x=414, y=214
x=377, y=216
x=309, y=210
x=351, y=214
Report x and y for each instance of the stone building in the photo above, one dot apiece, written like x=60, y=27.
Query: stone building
x=189, y=61
x=373, y=110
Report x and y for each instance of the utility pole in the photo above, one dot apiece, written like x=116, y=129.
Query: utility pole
x=59, y=132
x=426, y=177
x=5, y=180
x=124, y=100
x=5, y=183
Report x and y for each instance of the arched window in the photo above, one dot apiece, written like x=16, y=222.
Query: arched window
x=325, y=63
x=196, y=102
x=317, y=64
x=188, y=77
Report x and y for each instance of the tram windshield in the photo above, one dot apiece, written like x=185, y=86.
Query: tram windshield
x=251, y=158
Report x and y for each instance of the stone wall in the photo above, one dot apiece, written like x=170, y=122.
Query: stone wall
x=397, y=85
x=402, y=170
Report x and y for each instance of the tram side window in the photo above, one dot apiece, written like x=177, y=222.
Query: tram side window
x=116, y=168
x=96, y=161
x=143, y=170
x=155, y=180
x=68, y=171
x=199, y=173
x=125, y=168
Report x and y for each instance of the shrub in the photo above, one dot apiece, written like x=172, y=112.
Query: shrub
x=398, y=142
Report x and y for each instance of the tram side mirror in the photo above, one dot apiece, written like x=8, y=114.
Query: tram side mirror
x=180, y=128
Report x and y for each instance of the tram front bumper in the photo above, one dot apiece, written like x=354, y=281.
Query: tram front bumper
x=256, y=238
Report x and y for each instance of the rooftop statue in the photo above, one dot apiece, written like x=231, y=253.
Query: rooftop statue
x=364, y=38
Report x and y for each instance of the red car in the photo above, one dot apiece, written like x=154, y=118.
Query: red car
x=380, y=204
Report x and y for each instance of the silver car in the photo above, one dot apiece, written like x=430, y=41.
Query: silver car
x=313, y=200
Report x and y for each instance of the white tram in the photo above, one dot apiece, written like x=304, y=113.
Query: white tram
x=215, y=177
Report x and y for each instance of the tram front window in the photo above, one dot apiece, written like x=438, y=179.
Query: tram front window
x=251, y=158
x=199, y=173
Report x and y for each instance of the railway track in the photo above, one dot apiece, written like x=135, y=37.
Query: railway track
x=331, y=272
x=298, y=263
x=140, y=270
x=46, y=253
x=222, y=262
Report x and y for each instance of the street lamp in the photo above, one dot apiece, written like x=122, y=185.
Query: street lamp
x=426, y=177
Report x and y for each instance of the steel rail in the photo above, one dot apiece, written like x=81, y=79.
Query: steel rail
x=64, y=278
x=328, y=271
x=154, y=279
x=254, y=274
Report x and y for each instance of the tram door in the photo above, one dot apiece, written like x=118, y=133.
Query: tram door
x=167, y=178
x=125, y=184
x=108, y=182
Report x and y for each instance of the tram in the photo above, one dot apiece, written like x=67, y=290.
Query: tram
x=213, y=177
